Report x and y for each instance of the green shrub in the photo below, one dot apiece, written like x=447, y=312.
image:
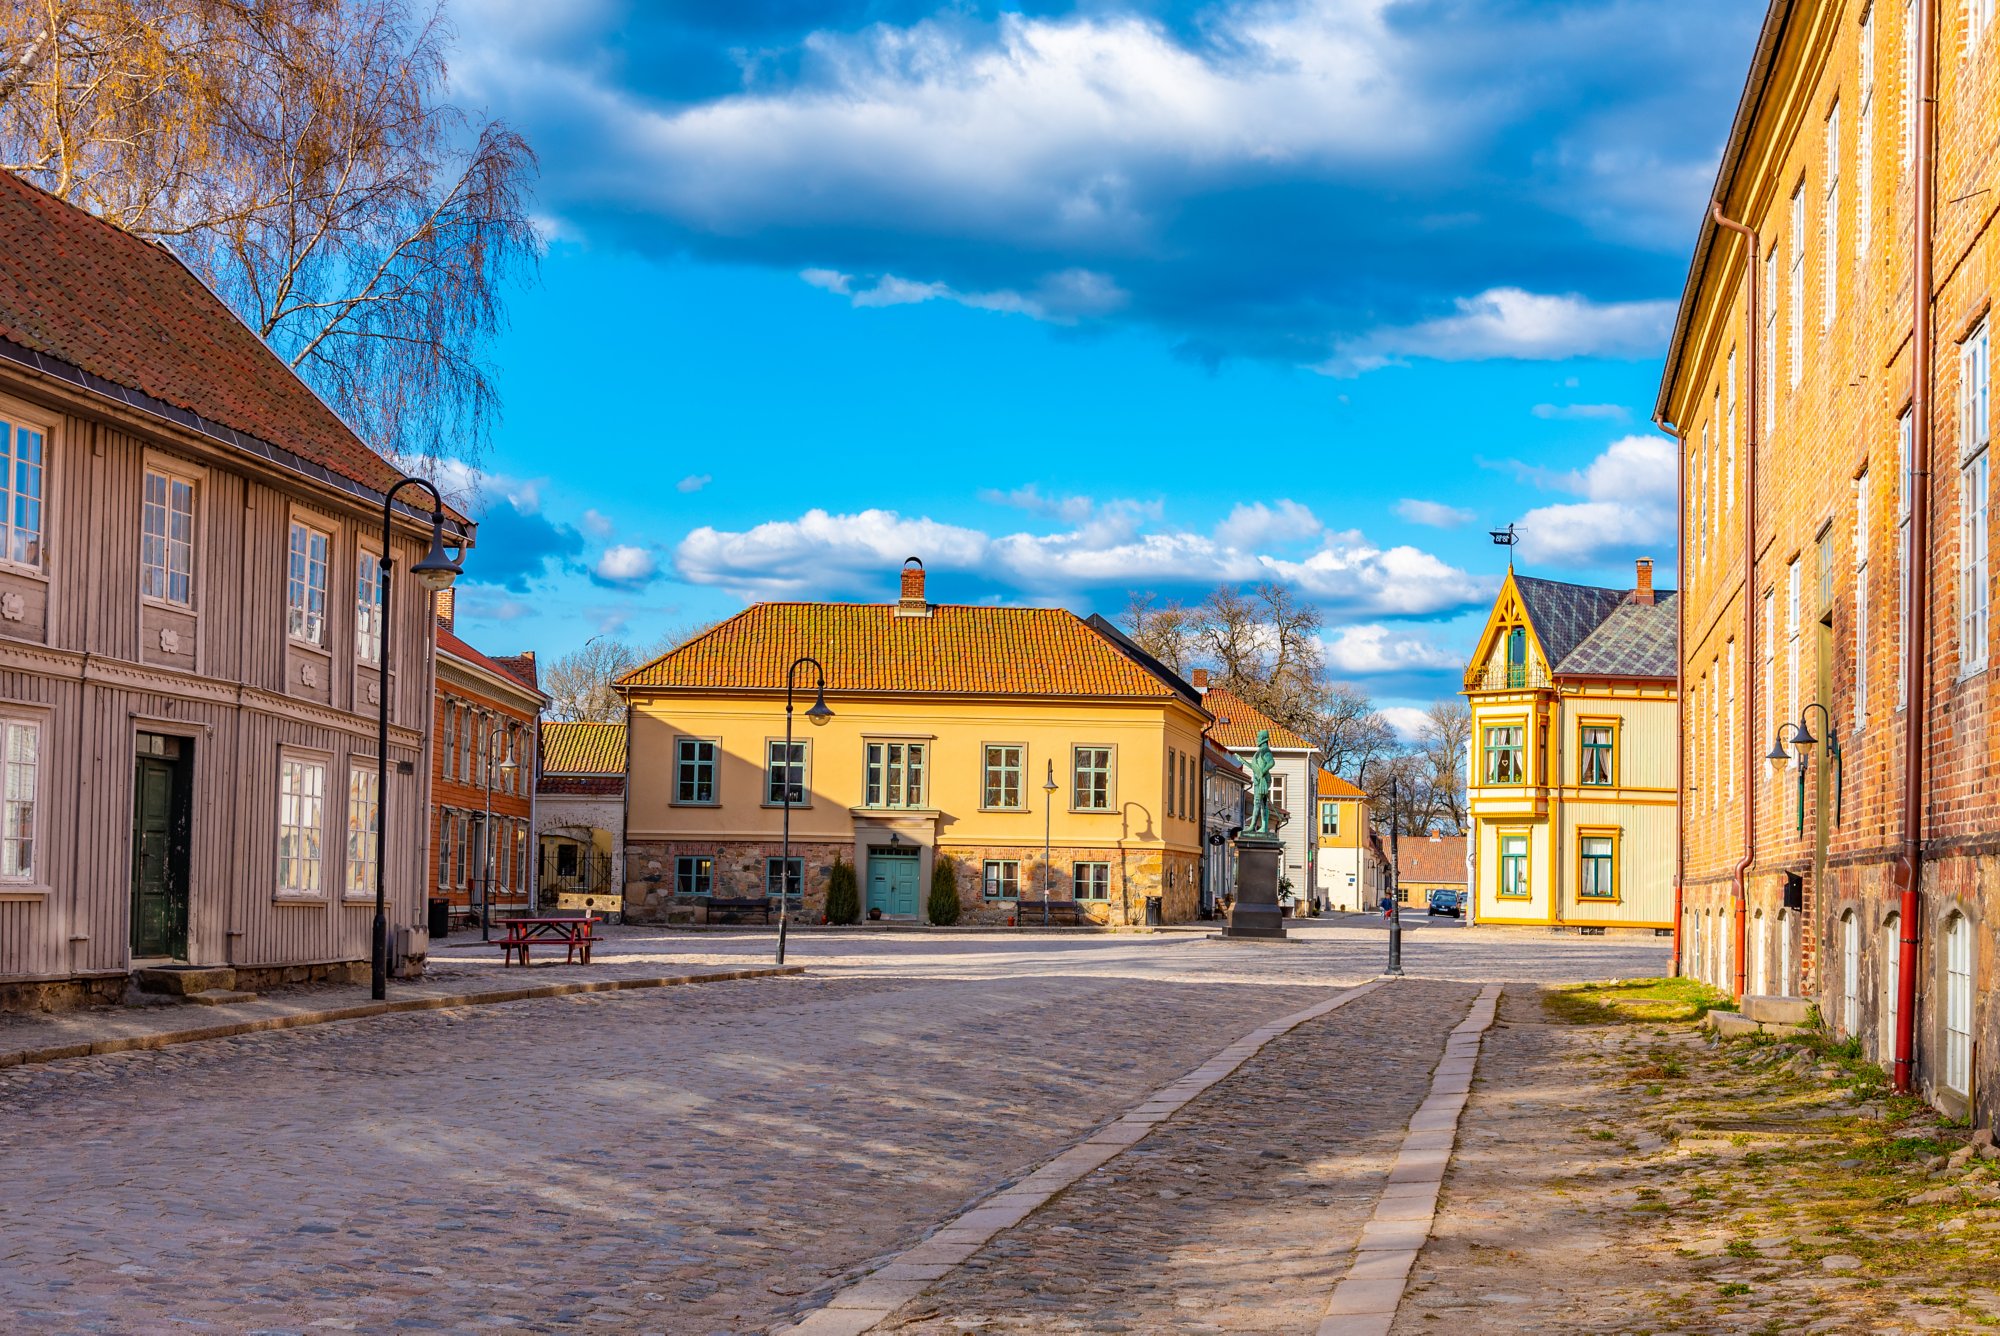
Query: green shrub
x=843, y=894
x=944, y=893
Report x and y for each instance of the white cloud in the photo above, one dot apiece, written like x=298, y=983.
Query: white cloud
x=1628, y=502
x=1435, y=514
x=1062, y=298
x=1372, y=649
x=597, y=524
x=1407, y=720
x=624, y=564
x=694, y=482
x=1258, y=525
x=471, y=489
x=1510, y=322
x=1073, y=509
x=1116, y=548
x=1581, y=412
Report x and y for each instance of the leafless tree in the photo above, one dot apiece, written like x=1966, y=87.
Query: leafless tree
x=579, y=683
x=1446, y=731
x=1164, y=630
x=1350, y=733
x=300, y=156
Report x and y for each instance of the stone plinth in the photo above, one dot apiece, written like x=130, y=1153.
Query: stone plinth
x=1257, y=912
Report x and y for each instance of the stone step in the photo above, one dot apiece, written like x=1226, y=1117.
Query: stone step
x=184, y=980
x=1731, y=1025
x=1778, y=1010
x=220, y=997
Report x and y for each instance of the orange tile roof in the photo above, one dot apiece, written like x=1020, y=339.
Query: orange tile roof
x=958, y=648
x=576, y=747
x=1237, y=721
x=1433, y=859
x=1333, y=786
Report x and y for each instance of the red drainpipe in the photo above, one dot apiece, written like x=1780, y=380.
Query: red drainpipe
x=1905, y=876
x=1739, y=895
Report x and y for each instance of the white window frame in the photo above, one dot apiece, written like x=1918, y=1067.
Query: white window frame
x=1974, y=566
x=1864, y=136
x=363, y=795
x=1771, y=665
x=1978, y=20
x=1729, y=490
x=1956, y=1012
x=1905, y=443
x=368, y=617
x=1850, y=973
x=170, y=478
x=289, y=761
x=299, y=627
x=1730, y=732
x=1892, y=981
x=1795, y=293
x=1794, y=611
x=1910, y=81
x=1862, y=627
x=1830, y=224
x=1770, y=406
x=22, y=881
x=13, y=421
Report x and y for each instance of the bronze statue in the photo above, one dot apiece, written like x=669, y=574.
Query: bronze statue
x=1261, y=765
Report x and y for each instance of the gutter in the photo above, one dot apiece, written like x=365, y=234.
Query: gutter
x=1906, y=874
x=1680, y=701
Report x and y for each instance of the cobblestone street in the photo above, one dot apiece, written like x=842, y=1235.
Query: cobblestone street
x=721, y=1158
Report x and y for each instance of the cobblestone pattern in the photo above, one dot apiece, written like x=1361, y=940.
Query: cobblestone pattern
x=687, y=1161
x=1240, y=1212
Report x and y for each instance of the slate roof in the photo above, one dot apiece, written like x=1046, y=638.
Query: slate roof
x=1432, y=860
x=1564, y=614
x=1237, y=721
x=78, y=295
x=1634, y=641
x=579, y=747
x=1333, y=786
x=1221, y=758
x=867, y=647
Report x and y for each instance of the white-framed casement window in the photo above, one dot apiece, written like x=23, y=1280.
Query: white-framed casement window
x=20, y=801
x=694, y=771
x=1862, y=612
x=1771, y=663
x=521, y=859
x=785, y=772
x=1729, y=486
x=1829, y=224
x=1864, y=134
x=1698, y=467
x=1770, y=406
x=1904, y=482
x=1850, y=973
x=1958, y=1005
x=1091, y=881
x=1910, y=83
x=1091, y=790
x=368, y=609
x=895, y=774
x=301, y=826
x=1892, y=983
x=1000, y=879
x=1000, y=786
x=23, y=476
x=1975, y=409
x=1730, y=732
x=1794, y=611
x=364, y=815
x=1978, y=18
x=166, y=539
x=444, y=850
x=1760, y=952
x=1795, y=296
x=305, y=583
x=448, y=741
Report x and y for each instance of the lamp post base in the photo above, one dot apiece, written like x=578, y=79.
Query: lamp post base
x=1257, y=912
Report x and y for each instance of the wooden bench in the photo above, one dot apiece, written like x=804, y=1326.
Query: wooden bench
x=574, y=935
x=1028, y=913
x=758, y=905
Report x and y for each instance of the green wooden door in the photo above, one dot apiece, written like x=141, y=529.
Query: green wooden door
x=159, y=864
x=892, y=881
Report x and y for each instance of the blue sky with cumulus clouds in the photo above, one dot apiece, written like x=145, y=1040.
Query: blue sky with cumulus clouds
x=1080, y=299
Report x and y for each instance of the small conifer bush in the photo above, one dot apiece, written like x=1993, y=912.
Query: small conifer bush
x=944, y=893
x=843, y=894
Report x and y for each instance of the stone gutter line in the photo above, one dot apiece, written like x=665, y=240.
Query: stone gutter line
x=1365, y=1301
x=362, y=1010
x=884, y=1288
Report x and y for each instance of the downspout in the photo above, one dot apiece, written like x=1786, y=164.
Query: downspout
x=1905, y=876
x=1680, y=695
x=1739, y=895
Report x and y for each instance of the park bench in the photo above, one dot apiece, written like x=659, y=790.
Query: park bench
x=732, y=908
x=522, y=935
x=1028, y=913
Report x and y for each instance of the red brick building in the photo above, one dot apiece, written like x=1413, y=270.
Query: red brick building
x=488, y=714
x=1829, y=381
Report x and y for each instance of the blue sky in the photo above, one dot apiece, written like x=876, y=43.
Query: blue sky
x=1079, y=299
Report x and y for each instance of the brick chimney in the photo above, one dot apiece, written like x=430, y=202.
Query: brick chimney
x=912, y=603
x=1199, y=679
x=445, y=608
x=1642, y=592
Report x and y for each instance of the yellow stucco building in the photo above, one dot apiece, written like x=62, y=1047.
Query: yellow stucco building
x=971, y=732
x=1572, y=795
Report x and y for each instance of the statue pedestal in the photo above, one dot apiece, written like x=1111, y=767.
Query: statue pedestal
x=1257, y=912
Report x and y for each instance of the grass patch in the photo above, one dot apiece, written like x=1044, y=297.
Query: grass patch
x=1633, y=1002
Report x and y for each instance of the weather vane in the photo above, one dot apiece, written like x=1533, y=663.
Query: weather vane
x=1507, y=538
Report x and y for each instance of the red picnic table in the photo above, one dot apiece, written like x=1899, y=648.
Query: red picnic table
x=572, y=934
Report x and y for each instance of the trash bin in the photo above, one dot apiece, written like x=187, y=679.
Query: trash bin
x=1153, y=916
x=440, y=918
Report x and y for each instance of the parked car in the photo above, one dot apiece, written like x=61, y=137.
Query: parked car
x=1448, y=902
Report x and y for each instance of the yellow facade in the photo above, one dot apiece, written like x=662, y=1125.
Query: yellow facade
x=1572, y=793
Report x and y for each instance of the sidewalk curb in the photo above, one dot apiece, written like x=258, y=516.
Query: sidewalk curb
x=868, y=1300
x=231, y=1029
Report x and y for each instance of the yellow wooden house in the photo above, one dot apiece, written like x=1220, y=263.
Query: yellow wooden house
x=1572, y=796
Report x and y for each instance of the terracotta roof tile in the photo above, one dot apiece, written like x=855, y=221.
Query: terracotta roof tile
x=1333, y=786
x=449, y=643
x=1433, y=859
x=1237, y=721
x=577, y=747
x=958, y=648
x=581, y=786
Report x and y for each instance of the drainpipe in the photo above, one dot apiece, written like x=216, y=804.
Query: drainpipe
x=1680, y=694
x=1739, y=895
x=1906, y=874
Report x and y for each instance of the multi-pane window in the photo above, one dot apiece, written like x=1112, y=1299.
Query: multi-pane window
x=1850, y=973
x=521, y=858
x=1978, y=18
x=22, y=452
x=694, y=770
x=1825, y=553
x=1091, y=881
x=444, y=850
x=1598, y=874
x=22, y=757
x=694, y=874
x=1329, y=818
x=166, y=539
x=784, y=773
x=1770, y=661
x=1699, y=468
x=1278, y=783
x=1910, y=82
x=1904, y=445
x=368, y=609
x=1730, y=731
x=1002, y=780
x=896, y=774
x=1829, y=225
x=1729, y=481
x=1862, y=611
x=1503, y=755
x=1514, y=867
x=1091, y=791
x=305, y=584
x=301, y=819
x=1770, y=337
x=1001, y=879
x=450, y=741
x=1892, y=976
x=364, y=812
x=1597, y=742
x=1958, y=1005
x=1864, y=137
x=1796, y=294
x=1794, y=609
x=793, y=876
x=1975, y=390
x=1974, y=591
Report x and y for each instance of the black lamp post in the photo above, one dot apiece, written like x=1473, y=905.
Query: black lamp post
x=1048, y=820
x=819, y=714
x=1802, y=738
x=433, y=572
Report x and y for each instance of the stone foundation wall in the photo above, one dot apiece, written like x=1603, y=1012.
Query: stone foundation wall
x=62, y=994
x=651, y=895
x=262, y=978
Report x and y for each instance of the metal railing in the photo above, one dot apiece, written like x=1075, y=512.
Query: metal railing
x=1498, y=675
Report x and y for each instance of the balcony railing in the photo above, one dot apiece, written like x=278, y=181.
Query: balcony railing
x=1500, y=676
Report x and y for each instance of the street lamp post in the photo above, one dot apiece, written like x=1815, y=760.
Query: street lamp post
x=508, y=768
x=1048, y=820
x=1802, y=738
x=819, y=714
x=434, y=571
x=1395, y=890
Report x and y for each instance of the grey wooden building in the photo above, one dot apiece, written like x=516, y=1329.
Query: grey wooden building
x=190, y=637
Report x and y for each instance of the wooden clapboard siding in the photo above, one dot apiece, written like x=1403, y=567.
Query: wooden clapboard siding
x=97, y=685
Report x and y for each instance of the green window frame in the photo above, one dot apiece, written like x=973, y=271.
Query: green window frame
x=795, y=875
x=694, y=771
x=1091, y=788
x=896, y=774
x=1091, y=881
x=694, y=874
x=1598, y=749
x=779, y=771
x=1514, y=868
x=1597, y=857
x=1329, y=819
x=1001, y=879
x=1505, y=763
x=1001, y=789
